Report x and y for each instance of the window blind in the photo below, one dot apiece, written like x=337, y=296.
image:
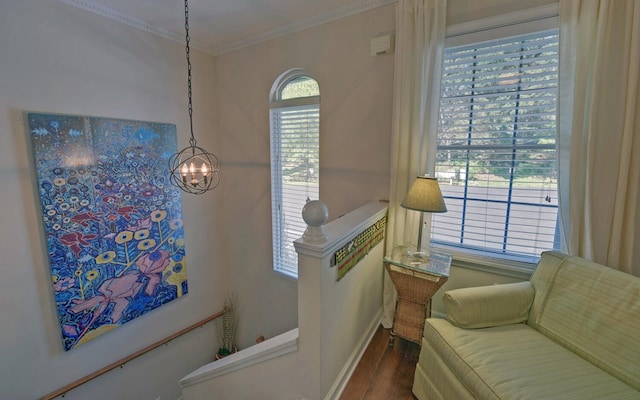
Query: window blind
x=496, y=157
x=294, y=177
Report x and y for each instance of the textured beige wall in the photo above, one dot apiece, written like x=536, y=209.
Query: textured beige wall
x=355, y=124
x=59, y=59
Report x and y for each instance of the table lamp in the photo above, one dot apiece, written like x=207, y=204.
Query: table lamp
x=424, y=195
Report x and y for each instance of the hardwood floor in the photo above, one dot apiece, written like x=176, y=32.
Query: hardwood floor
x=384, y=373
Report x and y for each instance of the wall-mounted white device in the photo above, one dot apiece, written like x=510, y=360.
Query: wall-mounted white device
x=383, y=44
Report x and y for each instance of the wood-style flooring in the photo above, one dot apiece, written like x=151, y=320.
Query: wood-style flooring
x=384, y=373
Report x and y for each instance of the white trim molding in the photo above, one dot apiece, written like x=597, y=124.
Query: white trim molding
x=333, y=15
x=502, y=20
x=138, y=23
x=275, y=347
x=335, y=391
x=135, y=22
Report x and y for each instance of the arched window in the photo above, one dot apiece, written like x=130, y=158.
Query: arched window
x=295, y=161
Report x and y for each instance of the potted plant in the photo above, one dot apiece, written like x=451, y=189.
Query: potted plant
x=226, y=328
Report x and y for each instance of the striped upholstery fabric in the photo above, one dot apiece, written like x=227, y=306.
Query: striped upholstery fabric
x=592, y=310
x=580, y=340
x=484, y=306
x=516, y=362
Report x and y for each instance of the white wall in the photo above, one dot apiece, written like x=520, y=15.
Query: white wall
x=55, y=58
x=355, y=125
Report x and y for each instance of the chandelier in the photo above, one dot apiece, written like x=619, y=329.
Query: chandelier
x=193, y=169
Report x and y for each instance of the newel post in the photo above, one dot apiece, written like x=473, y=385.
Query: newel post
x=315, y=213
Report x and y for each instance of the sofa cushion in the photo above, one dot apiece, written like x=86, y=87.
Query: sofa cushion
x=591, y=310
x=485, y=306
x=517, y=362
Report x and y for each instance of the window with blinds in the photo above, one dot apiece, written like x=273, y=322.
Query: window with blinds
x=496, y=157
x=295, y=169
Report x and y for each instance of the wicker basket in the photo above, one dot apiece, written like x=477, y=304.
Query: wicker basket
x=415, y=289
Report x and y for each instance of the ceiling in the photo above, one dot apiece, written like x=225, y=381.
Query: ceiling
x=219, y=26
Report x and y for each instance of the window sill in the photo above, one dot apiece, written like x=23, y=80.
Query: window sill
x=286, y=274
x=479, y=261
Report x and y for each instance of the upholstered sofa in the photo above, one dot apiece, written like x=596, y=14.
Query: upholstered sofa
x=571, y=332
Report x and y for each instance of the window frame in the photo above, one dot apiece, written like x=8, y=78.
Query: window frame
x=281, y=264
x=538, y=19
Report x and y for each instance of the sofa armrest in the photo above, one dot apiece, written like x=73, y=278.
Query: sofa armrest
x=485, y=306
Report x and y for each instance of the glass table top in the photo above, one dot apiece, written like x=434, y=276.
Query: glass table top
x=435, y=262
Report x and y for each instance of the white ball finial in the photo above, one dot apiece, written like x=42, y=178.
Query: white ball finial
x=315, y=213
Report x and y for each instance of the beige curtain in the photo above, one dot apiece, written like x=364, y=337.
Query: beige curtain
x=599, y=131
x=420, y=32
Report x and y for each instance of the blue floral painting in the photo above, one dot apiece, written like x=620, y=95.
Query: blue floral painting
x=112, y=222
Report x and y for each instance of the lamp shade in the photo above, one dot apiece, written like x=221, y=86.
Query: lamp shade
x=424, y=195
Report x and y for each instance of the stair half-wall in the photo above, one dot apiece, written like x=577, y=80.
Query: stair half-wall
x=336, y=320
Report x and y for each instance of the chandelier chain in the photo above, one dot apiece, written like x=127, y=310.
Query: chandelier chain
x=193, y=169
x=192, y=140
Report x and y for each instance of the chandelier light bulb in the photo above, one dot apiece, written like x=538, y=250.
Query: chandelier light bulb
x=205, y=173
x=185, y=171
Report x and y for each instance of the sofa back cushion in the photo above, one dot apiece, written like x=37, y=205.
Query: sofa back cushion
x=590, y=309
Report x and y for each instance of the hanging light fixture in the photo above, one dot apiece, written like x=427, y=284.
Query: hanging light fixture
x=193, y=169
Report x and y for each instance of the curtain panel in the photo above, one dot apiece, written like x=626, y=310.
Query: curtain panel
x=599, y=131
x=420, y=34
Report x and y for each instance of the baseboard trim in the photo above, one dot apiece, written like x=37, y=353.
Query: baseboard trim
x=335, y=391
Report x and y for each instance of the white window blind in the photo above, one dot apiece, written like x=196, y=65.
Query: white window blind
x=294, y=174
x=496, y=158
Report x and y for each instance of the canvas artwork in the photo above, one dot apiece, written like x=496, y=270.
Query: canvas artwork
x=112, y=222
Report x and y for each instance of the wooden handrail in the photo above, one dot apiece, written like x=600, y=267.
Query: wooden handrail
x=63, y=390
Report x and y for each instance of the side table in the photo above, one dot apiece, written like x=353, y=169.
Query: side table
x=416, y=280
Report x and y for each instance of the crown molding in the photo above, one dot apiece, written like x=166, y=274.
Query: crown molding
x=134, y=22
x=333, y=15
x=143, y=25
